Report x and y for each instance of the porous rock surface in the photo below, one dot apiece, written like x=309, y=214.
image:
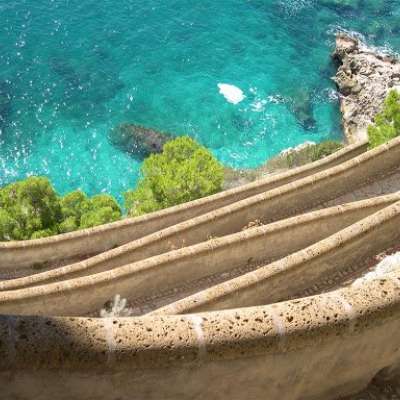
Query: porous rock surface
x=364, y=78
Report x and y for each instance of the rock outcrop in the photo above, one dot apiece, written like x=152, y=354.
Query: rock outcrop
x=364, y=78
x=138, y=140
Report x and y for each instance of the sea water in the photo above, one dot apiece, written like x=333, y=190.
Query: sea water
x=246, y=78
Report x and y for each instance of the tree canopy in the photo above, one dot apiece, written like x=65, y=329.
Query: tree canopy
x=31, y=209
x=184, y=171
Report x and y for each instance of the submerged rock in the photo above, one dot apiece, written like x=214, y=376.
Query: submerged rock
x=65, y=71
x=364, y=78
x=138, y=140
x=300, y=104
x=5, y=105
x=345, y=8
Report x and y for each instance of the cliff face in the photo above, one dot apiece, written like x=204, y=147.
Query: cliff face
x=364, y=78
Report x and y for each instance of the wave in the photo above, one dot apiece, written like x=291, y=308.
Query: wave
x=232, y=93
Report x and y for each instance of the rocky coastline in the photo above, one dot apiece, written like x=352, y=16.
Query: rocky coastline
x=365, y=76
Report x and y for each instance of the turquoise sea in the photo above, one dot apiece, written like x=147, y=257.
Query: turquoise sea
x=71, y=70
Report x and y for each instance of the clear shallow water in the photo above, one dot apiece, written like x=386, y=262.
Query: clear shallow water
x=72, y=70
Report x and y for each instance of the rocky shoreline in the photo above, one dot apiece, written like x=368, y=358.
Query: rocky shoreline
x=364, y=78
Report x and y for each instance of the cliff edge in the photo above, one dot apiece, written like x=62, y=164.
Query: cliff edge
x=364, y=78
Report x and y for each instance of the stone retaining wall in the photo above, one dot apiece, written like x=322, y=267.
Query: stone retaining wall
x=17, y=256
x=152, y=275
x=321, y=347
x=298, y=271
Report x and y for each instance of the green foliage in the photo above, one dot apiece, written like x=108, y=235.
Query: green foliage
x=31, y=209
x=72, y=206
x=81, y=212
x=184, y=171
x=99, y=210
x=387, y=122
x=8, y=226
x=307, y=154
x=290, y=159
x=324, y=149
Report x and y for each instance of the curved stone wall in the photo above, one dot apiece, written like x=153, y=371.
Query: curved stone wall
x=17, y=256
x=279, y=280
x=320, y=347
x=255, y=246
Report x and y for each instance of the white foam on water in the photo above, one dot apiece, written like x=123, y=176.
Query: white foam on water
x=258, y=105
x=292, y=7
x=275, y=99
x=296, y=149
x=232, y=93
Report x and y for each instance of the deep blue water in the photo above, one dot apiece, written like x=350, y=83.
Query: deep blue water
x=71, y=70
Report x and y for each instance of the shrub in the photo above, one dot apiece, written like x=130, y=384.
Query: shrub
x=98, y=210
x=184, y=171
x=324, y=149
x=304, y=154
x=72, y=206
x=81, y=212
x=8, y=226
x=387, y=122
x=31, y=209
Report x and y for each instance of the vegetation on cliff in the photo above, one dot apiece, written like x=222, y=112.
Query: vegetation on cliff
x=80, y=211
x=184, y=171
x=324, y=149
x=387, y=123
x=31, y=209
x=311, y=153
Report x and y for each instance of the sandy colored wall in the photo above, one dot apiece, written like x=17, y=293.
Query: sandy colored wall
x=278, y=281
x=313, y=348
x=17, y=255
x=256, y=245
x=150, y=276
